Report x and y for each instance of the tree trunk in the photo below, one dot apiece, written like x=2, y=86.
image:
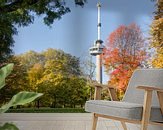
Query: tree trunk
x=38, y=104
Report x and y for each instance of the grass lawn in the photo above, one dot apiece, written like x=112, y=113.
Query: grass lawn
x=46, y=110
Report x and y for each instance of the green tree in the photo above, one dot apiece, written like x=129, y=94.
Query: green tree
x=61, y=62
x=59, y=68
x=79, y=91
x=157, y=35
x=34, y=75
x=22, y=13
x=19, y=99
x=30, y=58
x=53, y=72
x=15, y=82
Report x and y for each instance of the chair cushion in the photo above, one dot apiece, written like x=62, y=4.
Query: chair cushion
x=131, y=111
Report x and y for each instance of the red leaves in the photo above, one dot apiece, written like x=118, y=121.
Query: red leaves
x=115, y=35
x=123, y=54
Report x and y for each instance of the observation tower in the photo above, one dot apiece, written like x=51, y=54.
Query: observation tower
x=97, y=48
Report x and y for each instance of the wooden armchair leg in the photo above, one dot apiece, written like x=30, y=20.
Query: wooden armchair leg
x=146, y=110
x=94, y=121
x=124, y=125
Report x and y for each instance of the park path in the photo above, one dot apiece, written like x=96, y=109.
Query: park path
x=57, y=121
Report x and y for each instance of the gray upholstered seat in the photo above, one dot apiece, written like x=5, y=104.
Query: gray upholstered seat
x=126, y=110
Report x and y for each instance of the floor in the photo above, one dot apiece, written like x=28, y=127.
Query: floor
x=57, y=121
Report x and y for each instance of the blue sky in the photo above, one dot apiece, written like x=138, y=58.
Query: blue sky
x=76, y=31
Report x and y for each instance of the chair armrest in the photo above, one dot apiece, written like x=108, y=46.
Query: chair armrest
x=98, y=89
x=147, y=88
x=99, y=85
x=148, y=100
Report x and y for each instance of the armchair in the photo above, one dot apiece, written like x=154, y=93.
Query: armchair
x=138, y=107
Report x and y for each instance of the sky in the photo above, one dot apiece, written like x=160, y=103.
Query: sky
x=76, y=31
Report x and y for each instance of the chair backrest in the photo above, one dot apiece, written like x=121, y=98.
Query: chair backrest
x=143, y=77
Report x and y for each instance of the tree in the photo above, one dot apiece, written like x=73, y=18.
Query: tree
x=79, y=91
x=19, y=99
x=59, y=67
x=53, y=72
x=124, y=53
x=88, y=71
x=16, y=81
x=28, y=59
x=157, y=35
x=88, y=67
x=60, y=62
x=22, y=13
x=34, y=75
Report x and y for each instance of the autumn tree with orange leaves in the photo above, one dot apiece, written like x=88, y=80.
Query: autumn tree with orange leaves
x=125, y=52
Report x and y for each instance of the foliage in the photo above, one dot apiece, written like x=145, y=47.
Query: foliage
x=88, y=67
x=34, y=75
x=88, y=72
x=18, y=99
x=157, y=35
x=16, y=81
x=29, y=58
x=47, y=110
x=123, y=54
x=61, y=79
x=4, y=72
x=8, y=126
x=16, y=13
x=52, y=72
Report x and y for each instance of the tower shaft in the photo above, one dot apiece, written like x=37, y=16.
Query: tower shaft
x=99, y=21
x=99, y=69
x=98, y=57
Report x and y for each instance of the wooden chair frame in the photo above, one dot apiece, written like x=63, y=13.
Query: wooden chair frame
x=146, y=107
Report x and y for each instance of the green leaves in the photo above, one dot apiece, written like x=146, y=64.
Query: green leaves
x=20, y=99
x=4, y=72
x=8, y=126
x=16, y=13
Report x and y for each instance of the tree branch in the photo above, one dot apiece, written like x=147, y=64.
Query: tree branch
x=13, y=6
